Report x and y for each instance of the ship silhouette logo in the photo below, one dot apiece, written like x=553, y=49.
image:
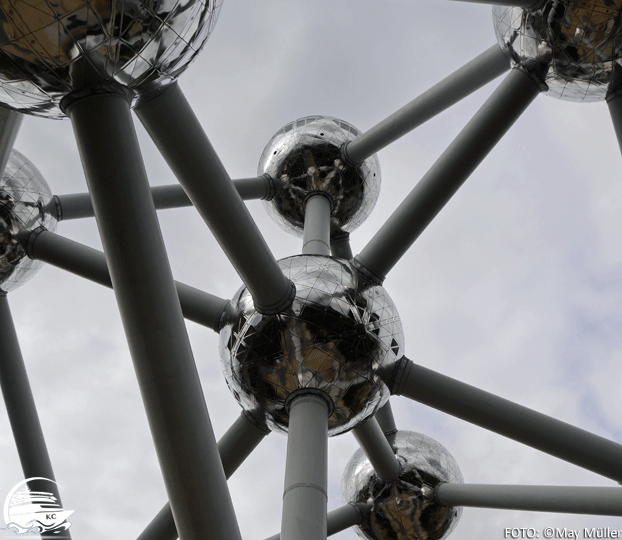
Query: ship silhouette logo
x=35, y=512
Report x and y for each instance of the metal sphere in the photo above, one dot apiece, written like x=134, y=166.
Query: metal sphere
x=573, y=45
x=48, y=49
x=403, y=509
x=305, y=156
x=336, y=336
x=24, y=198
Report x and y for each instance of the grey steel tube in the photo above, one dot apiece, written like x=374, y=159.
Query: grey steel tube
x=197, y=306
x=10, y=122
x=387, y=422
x=21, y=409
x=340, y=246
x=177, y=133
x=601, y=501
x=615, y=110
x=477, y=73
x=449, y=172
x=151, y=315
x=234, y=447
x=316, y=234
x=306, y=472
x=79, y=205
x=377, y=449
x=340, y=519
x=509, y=419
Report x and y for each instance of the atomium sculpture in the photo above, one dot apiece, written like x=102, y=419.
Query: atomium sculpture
x=311, y=345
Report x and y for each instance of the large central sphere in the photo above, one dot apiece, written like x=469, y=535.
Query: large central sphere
x=335, y=337
x=574, y=45
x=50, y=48
x=404, y=509
x=24, y=199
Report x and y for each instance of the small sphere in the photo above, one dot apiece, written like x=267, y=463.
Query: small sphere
x=573, y=45
x=403, y=509
x=50, y=49
x=24, y=199
x=335, y=337
x=305, y=156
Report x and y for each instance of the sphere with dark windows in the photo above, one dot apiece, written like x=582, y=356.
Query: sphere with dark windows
x=25, y=200
x=573, y=46
x=404, y=509
x=305, y=156
x=337, y=337
x=50, y=49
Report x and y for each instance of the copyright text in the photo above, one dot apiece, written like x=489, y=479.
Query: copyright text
x=557, y=532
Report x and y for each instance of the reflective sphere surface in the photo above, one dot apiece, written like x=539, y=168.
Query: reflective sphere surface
x=400, y=510
x=305, y=156
x=575, y=43
x=50, y=47
x=335, y=337
x=24, y=196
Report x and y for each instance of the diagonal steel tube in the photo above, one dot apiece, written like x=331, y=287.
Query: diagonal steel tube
x=340, y=246
x=450, y=171
x=615, y=110
x=602, y=501
x=22, y=411
x=151, y=315
x=387, y=422
x=196, y=305
x=509, y=419
x=177, y=133
x=10, y=122
x=234, y=447
x=378, y=450
x=472, y=76
x=340, y=519
x=79, y=205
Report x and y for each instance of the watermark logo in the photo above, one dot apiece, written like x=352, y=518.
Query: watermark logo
x=35, y=512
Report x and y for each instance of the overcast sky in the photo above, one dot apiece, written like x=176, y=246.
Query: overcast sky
x=515, y=288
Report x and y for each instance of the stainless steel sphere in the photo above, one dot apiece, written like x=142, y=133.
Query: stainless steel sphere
x=305, y=156
x=400, y=509
x=24, y=198
x=575, y=45
x=335, y=337
x=50, y=48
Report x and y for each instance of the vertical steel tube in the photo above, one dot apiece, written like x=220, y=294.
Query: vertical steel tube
x=478, y=72
x=316, y=235
x=234, y=447
x=449, y=172
x=10, y=122
x=304, y=498
x=377, y=449
x=21, y=409
x=177, y=133
x=152, y=317
x=511, y=420
x=603, y=501
x=340, y=246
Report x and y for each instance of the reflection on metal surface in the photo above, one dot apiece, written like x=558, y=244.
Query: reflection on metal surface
x=575, y=44
x=403, y=509
x=335, y=337
x=305, y=156
x=24, y=197
x=48, y=49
